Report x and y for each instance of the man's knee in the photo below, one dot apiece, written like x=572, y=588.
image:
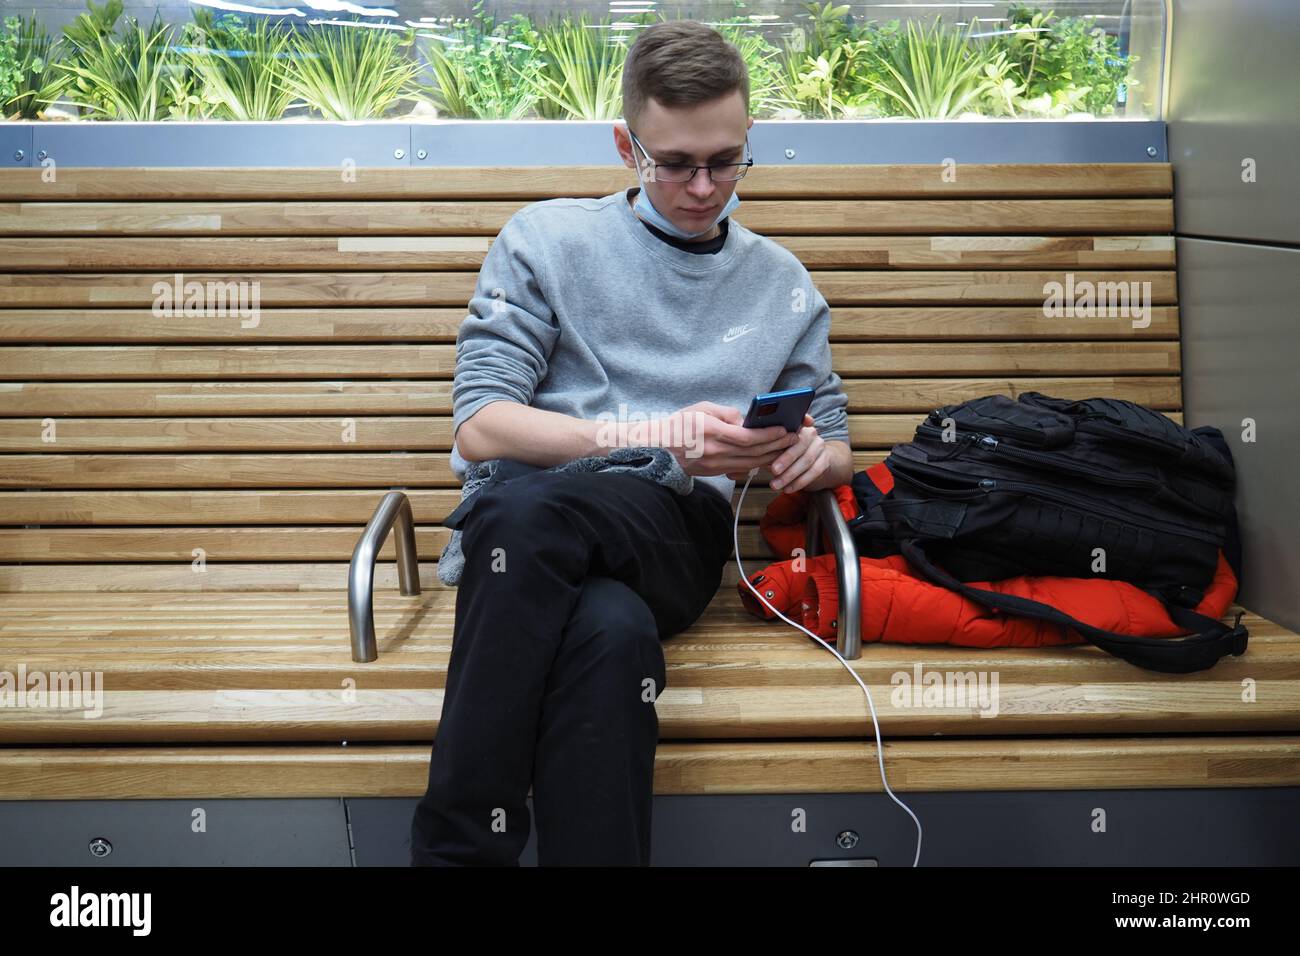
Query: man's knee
x=617, y=626
x=517, y=512
x=611, y=607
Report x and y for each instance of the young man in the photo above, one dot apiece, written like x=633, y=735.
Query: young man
x=589, y=318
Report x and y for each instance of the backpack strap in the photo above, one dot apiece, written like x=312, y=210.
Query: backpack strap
x=1201, y=650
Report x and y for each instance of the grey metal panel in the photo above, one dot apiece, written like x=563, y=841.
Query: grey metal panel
x=1173, y=827
x=1234, y=73
x=15, y=144
x=381, y=831
x=775, y=142
x=1240, y=314
x=552, y=143
x=159, y=833
x=224, y=144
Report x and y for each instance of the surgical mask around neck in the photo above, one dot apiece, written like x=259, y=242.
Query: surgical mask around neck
x=652, y=215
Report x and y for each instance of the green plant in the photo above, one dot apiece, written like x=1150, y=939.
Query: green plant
x=828, y=71
x=829, y=29
x=801, y=78
x=130, y=75
x=96, y=22
x=935, y=72
x=1002, y=93
x=815, y=85
x=476, y=65
x=1063, y=65
x=767, y=91
x=349, y=73
x=1091, y=60
x=581, y=71
x=10, y=65
x=239, y=72
x=38, y=77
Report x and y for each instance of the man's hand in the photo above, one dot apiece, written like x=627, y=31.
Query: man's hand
x=709, y=439
x=804, y=462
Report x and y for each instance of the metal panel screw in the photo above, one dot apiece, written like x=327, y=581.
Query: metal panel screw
x=422, y=154
x=846, y=840
x=399, y=153
x=100, y=847
x=18, y=155
x=42, y=154
x=789, y=154
x=1152, y=151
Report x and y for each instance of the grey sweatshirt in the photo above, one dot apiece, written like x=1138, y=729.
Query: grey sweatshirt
x=580, y=309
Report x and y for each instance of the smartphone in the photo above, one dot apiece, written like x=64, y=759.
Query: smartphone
x=779, y=408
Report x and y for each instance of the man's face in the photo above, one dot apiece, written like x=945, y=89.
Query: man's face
x=711, y=132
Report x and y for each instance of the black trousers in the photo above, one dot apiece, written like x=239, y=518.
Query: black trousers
x=571, y=581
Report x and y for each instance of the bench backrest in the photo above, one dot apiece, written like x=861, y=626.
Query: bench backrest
x=141, y=441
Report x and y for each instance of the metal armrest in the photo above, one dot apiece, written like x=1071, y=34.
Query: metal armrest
x=395, y=507
x=824, y=510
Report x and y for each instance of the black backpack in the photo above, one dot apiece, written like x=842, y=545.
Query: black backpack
x=995, y=488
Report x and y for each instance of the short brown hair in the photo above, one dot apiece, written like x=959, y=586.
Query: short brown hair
x=681, y=63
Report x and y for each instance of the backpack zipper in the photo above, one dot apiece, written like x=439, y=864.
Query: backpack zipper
x=991, y=443
x=988, y=485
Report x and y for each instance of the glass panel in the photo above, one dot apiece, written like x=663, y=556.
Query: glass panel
x=226, y=59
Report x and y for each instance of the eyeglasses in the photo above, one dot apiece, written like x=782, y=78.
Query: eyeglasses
x=679, y=173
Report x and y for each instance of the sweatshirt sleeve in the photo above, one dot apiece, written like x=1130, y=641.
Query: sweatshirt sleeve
x=810, y=365
x=505, y=341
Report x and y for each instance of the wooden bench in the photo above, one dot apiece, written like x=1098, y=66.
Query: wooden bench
x=181, y=495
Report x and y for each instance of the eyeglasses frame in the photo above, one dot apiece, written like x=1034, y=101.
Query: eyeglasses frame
x=653, y=164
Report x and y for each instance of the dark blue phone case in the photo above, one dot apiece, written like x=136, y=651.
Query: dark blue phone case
x=779, y=408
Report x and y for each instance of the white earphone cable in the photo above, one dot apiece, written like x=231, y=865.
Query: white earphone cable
x=880, y=749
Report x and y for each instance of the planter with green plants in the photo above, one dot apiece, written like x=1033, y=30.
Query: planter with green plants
x=828, y=66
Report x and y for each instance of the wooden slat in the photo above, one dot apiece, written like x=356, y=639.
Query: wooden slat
x=417, y=253
x=988, y=252
x=333, y=325
x=282, y=576
x=264, y=434
x=269, y=434
x=915, y=766
x=86, y=399
x=265, y=577
x=684, y=713
x=986, y=358
x=922, y=394
x=244, y=293
x=196, y=362
x=160, y=642
x=340, y=326
x=343, y=506
x=302, y=289
x=375, y=470
x=532, y=183
x=256, y=543
x=217, y=362
x=991, y=287
x=237, y=398
x=789, y=216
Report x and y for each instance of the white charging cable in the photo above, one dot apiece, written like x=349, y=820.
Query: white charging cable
x=880, y=749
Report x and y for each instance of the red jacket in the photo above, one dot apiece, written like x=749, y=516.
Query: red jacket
x=899, y=606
